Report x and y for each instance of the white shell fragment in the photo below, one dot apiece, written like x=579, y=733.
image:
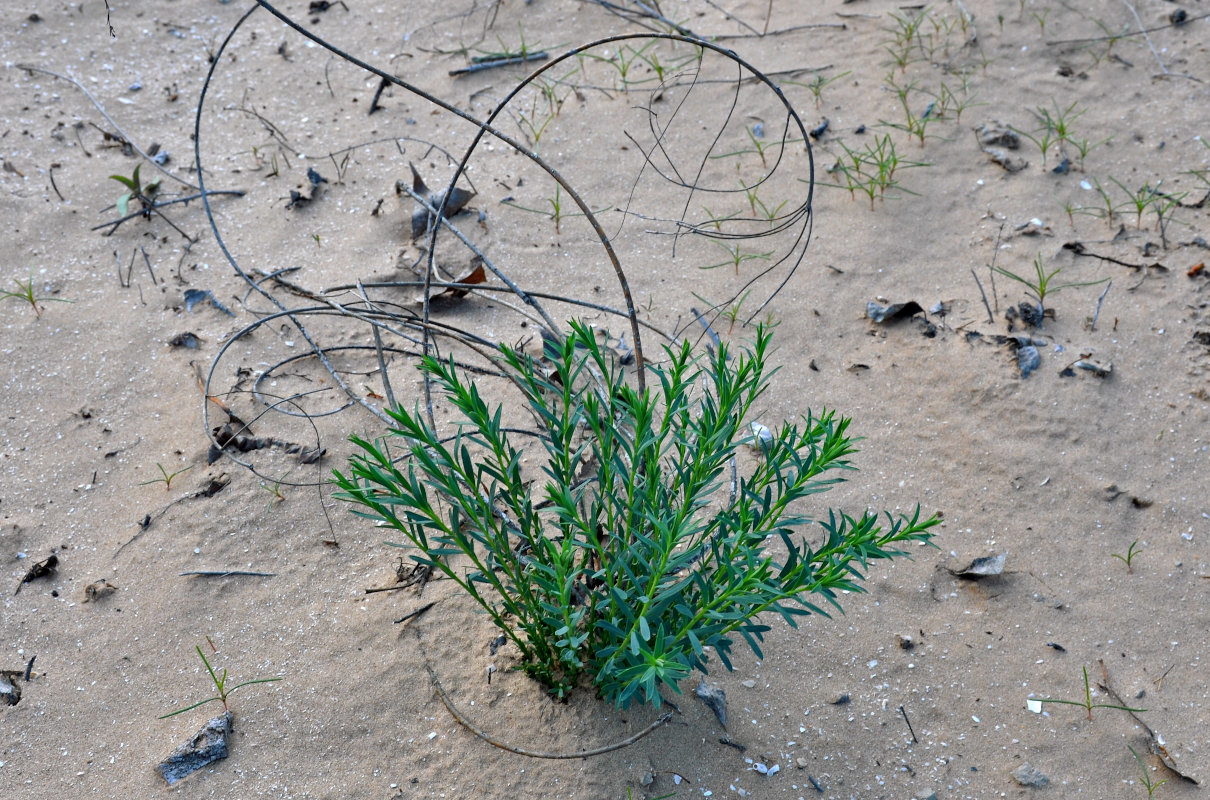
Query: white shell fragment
x=762, y=437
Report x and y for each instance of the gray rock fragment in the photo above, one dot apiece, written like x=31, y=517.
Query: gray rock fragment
x=208, y=745
x=1003, y=158
x=996, y=134
x=1027, y=775
x=984, y=567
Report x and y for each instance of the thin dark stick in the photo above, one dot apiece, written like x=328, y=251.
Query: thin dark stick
x=479, y=66
x=29, y=669
x=415, y=613
x=470, y=726
x=909, y=724
x=1140, y=32
x=990, y=318
x=155, y=206
x=780, y=31
x=150, y=271
x=991, y=270
x=51, y=174
x=382, y=85
x=223, y=573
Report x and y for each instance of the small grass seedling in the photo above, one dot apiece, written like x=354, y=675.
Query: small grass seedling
x=1146, y=776
x=1043, y=284
x=736, y=257
x=220, y=686
x=135, y=190
x=913, y=124
x=1086, y=704
x=275, y=491
x=165, y=478
x=870, y=170
x=817, y=84
x=1137, y=200
x=557, y=211
x=732, y=312
x=26, y=292
x=1128, y=559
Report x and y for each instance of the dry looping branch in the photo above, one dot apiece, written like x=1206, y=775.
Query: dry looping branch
x=521, y=751
x=738, y=193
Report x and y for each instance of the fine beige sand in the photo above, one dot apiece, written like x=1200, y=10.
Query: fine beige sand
x=919, y=690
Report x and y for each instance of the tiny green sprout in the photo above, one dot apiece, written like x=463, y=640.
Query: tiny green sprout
x=318, y=239
x=1043, y=285
x=135, y=190
x=26, y=292
x=1129, y=557
x=1146, y=781
x=165, y=478
x=1086, y=703
x=220, y=686
x=275, y=492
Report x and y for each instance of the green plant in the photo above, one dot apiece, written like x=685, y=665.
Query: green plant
x=913, y=124
x=27, y=293
x=1057, y=130
x=275, y=492
x=736, y=257
x=1106, y=200
x=948, y=100
x=1128, y=559
x=817, y=84
x=557, y=211
x=634, y=550
x=1043, y=284
x=870, y=170
x=732, y=312
x=905, y=33
x=135, y=190
x=1040, y=18
x=1137, y=200
x=220, y=687
x=1146, y=779
x=165, y=478
x=1087, y=703
x=1163, y=205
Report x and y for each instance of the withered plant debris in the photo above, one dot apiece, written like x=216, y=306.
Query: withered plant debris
x=422, y=218
x=714, y=699
x=228, y=439
x=1028, y=359
x=187, y=339
x=43, y=569
x=1078, y=248
x=476, y=275
x=298, y=199
x=98, y=590
x=195, y=296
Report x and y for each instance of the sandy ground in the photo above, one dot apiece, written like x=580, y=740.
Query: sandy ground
x=1059, y=470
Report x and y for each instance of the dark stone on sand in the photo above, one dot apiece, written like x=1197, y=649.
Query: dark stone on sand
x=208, y=745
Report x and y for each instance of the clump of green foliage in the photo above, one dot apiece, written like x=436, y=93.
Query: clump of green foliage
x=646, y=545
